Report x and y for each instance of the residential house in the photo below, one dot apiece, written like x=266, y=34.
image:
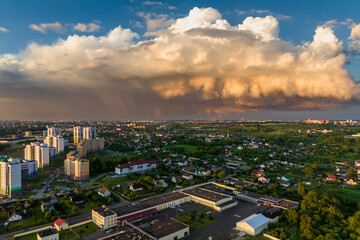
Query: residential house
x=187, y=176
x=167, y=161
x=264, y=179
x=188, y=168
x=104, y=192
x=136, y=187
x=331, y=178
x=286, y=178
x=61, y=224
x=182, y=163
x=77, y=199
x=284, y=183
x=351, y=181
x=14, y=216
x=257, y=173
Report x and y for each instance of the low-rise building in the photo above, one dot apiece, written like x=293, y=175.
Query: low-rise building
x=168, y=230
x=104, y=192
x=253, y=225
x=14, y=216
x=61, y=224
x=351, y=181
x=135, y=166
x=50, y=234
x=187, y=176
x=136, y=187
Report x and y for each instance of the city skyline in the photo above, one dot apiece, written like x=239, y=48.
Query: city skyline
x=170, y=60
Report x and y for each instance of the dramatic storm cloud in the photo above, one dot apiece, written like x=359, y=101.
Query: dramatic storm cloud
x=199, y=64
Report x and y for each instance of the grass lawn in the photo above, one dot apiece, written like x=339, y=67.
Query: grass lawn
x=196, y=224
x=31, y=236
x=85, y=208
x=36, y=182
x=187, y=148
x=67, y=235
x=344, y=193
x=83, y=230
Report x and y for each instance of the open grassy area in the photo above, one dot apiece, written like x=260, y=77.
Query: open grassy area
x=31, y=236
x=86, y=229
x=196, y=220
x=344, y=193
x=67, y=235
x=187, y=148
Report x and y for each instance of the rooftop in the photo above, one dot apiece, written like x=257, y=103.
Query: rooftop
x=206, y=194
x=255, y=220
x=164, y=228
x=46, y=233
x=128, y=233
x=149, y=203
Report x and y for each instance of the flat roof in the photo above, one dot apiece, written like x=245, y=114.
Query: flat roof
x=206, y=194
x=46, y=233
x=127, y=233
x=164, y=228
x=149, y=203
x=105, y=212
x=287, y=204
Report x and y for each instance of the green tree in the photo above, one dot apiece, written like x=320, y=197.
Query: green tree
x=301, y=189
x=221, y=174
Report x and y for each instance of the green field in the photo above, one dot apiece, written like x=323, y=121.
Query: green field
x=86, y=229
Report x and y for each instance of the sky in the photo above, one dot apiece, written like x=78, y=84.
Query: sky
x=134, y=60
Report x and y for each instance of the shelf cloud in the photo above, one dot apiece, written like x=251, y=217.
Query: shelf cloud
x=200, y=64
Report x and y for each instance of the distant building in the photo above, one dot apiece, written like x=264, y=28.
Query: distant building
x=39, y=152
x=187, y=176
x=257, y=173
x=57, y=142
x=50, y=234
x=351, y=181
x=136, y=187
x=89, y=133
x=104, y=192
x=78, y=134
x=53, y=131
x=90, y=145
x=135, y=166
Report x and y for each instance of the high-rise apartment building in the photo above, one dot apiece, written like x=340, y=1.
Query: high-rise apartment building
x=12, y=172
x=75, y=167
x=90, y=145
x=39, y=152
x=53, y=131
x=57, y=142
x=89, y=133
x=78, y=134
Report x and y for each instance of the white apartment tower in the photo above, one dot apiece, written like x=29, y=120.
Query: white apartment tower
x=10, y=175
x=53, y=131
x=39, y=152
x=89, y=133
x=81, y=133
x=78, y=134
x=57, y=142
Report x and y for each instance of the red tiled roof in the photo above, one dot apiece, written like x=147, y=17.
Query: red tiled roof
x=256, y=172
x=188, y=168
x=59, y=221
x=138, y=214
x=331, y=177
x=135, y=163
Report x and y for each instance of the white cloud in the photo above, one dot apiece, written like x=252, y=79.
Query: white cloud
x=90, y=27
x=44, y=27
x=152, y=3
x=156, y=22
x=199, y=64
x=2, y=29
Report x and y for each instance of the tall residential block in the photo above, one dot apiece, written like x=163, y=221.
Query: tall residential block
x=12, y=173
x=39, y=152
x=53, y=131
x=90, y=145
x=89, y=133
x=57, y=142
x=78, y=134
x=75, y=167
